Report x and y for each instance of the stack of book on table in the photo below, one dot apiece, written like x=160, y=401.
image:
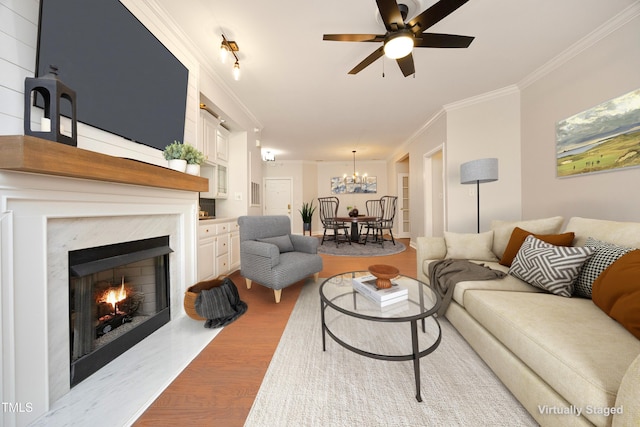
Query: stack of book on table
x=366, y=285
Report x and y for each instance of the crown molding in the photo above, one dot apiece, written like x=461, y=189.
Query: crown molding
x=484, y=97
x=612, y=25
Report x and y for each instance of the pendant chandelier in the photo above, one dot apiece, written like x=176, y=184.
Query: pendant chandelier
x=356, y=177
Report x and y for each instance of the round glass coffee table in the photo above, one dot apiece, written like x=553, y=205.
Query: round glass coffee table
x=364, y=326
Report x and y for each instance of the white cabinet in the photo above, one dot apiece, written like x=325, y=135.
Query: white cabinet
x=209, y=132
x=214, y=144
x=218, y=181
x=215, y=254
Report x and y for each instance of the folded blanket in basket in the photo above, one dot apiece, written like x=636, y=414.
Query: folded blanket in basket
x=220, y=305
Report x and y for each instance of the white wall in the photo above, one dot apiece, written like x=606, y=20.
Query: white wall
x=328, y=170
x=433, y=135
x=487, y=126
x=608, y=69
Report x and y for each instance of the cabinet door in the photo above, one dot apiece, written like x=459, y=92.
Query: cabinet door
x=234, y=250
x=222, y=264
x=221, y=181
x=206, y=259
x=209, y=136
x=222, y=144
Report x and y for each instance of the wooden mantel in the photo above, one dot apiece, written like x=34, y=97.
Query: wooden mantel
x=29, y=154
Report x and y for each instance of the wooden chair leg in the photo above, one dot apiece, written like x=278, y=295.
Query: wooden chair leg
x=248, y=281
x=277, y=293
x=315, y=276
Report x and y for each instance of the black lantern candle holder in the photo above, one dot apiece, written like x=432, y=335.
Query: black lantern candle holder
x=52, y=91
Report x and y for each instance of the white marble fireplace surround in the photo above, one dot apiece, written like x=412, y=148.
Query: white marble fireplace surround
x=43, y=217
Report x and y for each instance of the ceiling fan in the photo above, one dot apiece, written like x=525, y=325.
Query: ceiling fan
x=401, y=37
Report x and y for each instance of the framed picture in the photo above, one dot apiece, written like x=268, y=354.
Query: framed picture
x=603, y=138
x=347, y=185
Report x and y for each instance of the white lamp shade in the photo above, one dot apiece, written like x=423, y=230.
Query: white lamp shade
x=481, y=170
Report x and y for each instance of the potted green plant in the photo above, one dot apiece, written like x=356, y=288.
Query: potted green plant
x=194, y=158
x=307, y=215
x=174, y=153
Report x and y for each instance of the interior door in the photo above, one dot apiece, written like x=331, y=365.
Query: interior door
x=278, y=196
x=403, y=223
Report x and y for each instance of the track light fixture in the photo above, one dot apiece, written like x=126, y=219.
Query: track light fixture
x=228, y=47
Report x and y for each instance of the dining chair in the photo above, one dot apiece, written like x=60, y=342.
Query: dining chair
x=389, y=204
x=328, y=212
x=374, y=209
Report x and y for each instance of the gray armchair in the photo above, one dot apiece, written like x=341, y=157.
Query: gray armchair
x=273, y=257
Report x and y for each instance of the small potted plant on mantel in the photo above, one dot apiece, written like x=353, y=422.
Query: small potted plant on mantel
x=307, y=215
x=174, y=153
x=194, y=158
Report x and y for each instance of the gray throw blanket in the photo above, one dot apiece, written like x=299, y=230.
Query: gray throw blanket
x=220, y=305
x=446, y=273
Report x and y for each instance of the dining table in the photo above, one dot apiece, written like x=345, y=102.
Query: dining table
x=355, y=221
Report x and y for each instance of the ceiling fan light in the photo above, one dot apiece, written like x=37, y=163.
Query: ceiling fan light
x=398, y=45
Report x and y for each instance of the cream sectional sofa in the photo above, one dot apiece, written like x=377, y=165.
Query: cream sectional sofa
x=564, y=359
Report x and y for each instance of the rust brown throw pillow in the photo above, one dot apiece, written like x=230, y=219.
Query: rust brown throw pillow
x=517, y=239
x=617, y=291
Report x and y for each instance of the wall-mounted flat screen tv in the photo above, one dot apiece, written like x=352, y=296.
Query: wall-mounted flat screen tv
x=126, y=81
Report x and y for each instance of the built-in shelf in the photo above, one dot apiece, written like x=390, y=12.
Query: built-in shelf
x=30, y=154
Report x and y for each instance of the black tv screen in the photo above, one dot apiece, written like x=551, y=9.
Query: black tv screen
x=126, y=81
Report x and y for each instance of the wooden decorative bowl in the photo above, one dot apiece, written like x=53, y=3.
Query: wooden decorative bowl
x=384, y=274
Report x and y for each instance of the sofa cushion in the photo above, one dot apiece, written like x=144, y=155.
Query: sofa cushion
x=617, y=291
x=507, y=283
x=282, y=242
x=605, y=254
x=517, y=238
x=475, y=246
x=502, y=230
x=619, y=233
x=569, y=342
x=549, y=267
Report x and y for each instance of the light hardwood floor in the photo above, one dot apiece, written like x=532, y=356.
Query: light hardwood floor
x=219, y=386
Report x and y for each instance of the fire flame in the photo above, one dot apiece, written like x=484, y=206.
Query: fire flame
x=114, y=296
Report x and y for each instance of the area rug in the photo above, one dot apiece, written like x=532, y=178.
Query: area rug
x=305, y=386
x=358, y=250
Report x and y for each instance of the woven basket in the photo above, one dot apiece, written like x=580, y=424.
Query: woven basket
x=192, y=292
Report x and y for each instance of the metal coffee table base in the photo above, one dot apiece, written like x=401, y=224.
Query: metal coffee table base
x=415, y=355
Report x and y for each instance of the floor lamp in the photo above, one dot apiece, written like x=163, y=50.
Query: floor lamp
x=477, y=171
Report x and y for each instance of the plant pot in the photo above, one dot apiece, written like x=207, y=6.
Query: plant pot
x=193, y=169
x=179, y=165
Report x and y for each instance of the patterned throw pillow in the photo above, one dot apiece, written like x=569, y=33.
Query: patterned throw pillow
x=549, y=267
x=605, y=254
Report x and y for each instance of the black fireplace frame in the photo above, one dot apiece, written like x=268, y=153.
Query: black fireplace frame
x=88, y=261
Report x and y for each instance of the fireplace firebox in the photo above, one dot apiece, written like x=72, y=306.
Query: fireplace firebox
x=118, y=295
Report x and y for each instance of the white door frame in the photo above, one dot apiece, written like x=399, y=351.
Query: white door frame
x=431, y=200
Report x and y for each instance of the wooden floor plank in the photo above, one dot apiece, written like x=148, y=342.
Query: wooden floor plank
x=220, y=384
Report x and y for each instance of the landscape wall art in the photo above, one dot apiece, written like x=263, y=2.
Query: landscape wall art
x=603, y=138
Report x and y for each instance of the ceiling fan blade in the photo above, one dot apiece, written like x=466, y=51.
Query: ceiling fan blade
x=353, y=37
x=434, y=14
x=368, y=60
x=406, y=65
x=390, y=14
x=442, y=40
